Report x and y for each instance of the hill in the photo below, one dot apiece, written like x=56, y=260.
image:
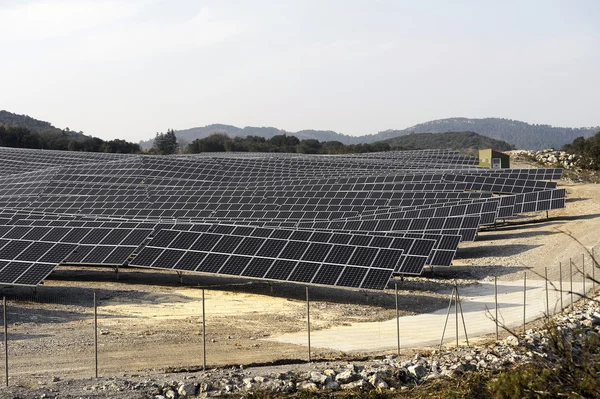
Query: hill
x=23, y=131
x=265, y=132
x=462, y=141
x=522, y=135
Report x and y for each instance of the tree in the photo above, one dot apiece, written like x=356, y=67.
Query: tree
x=165, y=143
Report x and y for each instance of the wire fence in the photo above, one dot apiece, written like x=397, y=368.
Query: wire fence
x=72, y=332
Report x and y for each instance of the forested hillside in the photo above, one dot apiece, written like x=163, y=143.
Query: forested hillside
x=22, y=131
x=220, y=142
x=192, y=134
x=462, y=141
x=522, y=135
x=466, y=142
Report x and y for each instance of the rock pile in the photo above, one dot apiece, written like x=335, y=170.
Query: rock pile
x=549, y=158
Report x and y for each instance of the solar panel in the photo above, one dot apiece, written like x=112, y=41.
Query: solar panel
x=324, y=218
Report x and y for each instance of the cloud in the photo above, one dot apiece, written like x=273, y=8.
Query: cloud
x=40, y=20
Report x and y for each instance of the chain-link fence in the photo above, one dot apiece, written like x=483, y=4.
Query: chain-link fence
x=66, y=331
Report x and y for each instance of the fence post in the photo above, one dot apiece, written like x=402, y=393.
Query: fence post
x=203, y=332
x=5, y=340
x=308, y=323
x=96, y=333
x=462, y=316
x=571, y=279
x=496, y=302
x=593, y=271
x=547, y=302
x=456, y=310
x=447, y=317
x=583, y=272
x=397, y=319
x=524, y=298
x=560, y=282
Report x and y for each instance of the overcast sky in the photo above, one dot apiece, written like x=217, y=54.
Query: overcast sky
x=127, y=69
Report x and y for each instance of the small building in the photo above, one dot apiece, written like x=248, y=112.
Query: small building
x=489, y=158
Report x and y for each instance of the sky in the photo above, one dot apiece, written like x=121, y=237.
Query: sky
x=130, y=68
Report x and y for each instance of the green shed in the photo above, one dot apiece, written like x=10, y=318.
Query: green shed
x=489, y=158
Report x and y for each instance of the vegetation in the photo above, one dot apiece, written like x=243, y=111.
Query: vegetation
x=587, y=149
x=165, y=143
x=522, y=135
x=281, y=143
x=20, y=137
x=22, y=131
x=461, y=141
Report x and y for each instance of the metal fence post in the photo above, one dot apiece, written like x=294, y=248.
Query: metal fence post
x=397, y=319
x=203, y=332
x=462, y=315
x=96, y=333
x=308, y=323
x=456, y=310
x=5, y=340
x=524, y=299
x=571, y=279
x=560, y=282
x=583, y=272
x=547, y=302
x=593, y=271
x=496, y=302
x=447, y=317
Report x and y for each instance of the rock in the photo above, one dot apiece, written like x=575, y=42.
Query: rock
x=417, y=371
x=260, y=379
x=187, y=390
x=55, y=379
x=289, y=387
x=347, y=376
x=511, y=340
x=307, y=386
x=318, y=378
x=360, y=384
x=170, y=394
x=331, y=384
x=329, y=372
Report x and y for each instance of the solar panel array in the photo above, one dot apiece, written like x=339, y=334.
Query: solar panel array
x=347, y=220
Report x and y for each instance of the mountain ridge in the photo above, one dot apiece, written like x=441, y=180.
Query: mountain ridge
x=521, y=134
